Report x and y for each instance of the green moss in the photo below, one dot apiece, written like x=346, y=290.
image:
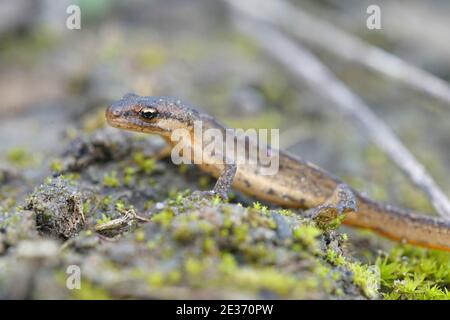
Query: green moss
x=129, y=175
x=258, y=254
x=229, y=248
x=19, y=157
x=285, y=212
x=227, y=263
x=335, y=258
x=240, y=233
x=209, y=245
x=183, y=233
x=86, y=207
x=119, y=206
x=158, y=279
x=56, y=165
x=139, y=236
x=89, y=291
x=178, y=198
x=194, y=267
x=205, y=227
x=307, y=235
x=104, y=219
x=366, y=277
x=110, y=180
x=259, y=207
x=70, y=177
x=163, y=217
x=216, y=200
x=173, y=277
x=268, y=278
x=155, y=279
x=105, y=202
x=145, y=165
x=414, y=273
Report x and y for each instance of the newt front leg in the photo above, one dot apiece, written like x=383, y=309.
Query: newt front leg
x=341, y=202
x=225, y=180
x=223, y=183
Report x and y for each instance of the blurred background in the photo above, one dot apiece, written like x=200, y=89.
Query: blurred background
x=55, y=82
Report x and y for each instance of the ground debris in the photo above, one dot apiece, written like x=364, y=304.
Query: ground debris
x=58, y=208
x=184, y=246
x=102, y=146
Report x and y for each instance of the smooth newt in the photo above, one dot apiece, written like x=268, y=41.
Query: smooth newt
x=297, y=184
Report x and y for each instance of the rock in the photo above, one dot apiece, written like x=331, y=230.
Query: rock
x=40, y=249
x=58, y=208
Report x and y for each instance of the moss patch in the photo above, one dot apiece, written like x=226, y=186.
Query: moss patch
x=414, y=273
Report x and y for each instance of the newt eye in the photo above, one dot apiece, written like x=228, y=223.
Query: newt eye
x=148, y=113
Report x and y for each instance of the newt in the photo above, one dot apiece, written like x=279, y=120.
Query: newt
x=297, y=183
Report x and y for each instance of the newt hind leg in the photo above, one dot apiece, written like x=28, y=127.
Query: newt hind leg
x=335, y=207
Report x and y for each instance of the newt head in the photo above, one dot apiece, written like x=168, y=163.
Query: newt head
x=158, y=115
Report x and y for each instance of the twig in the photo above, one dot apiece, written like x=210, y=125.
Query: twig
x=128, y=216
x=323, y=35
x=305, y=66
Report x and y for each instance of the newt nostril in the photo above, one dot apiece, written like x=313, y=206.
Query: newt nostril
x=116, y=113
x=112, y=112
